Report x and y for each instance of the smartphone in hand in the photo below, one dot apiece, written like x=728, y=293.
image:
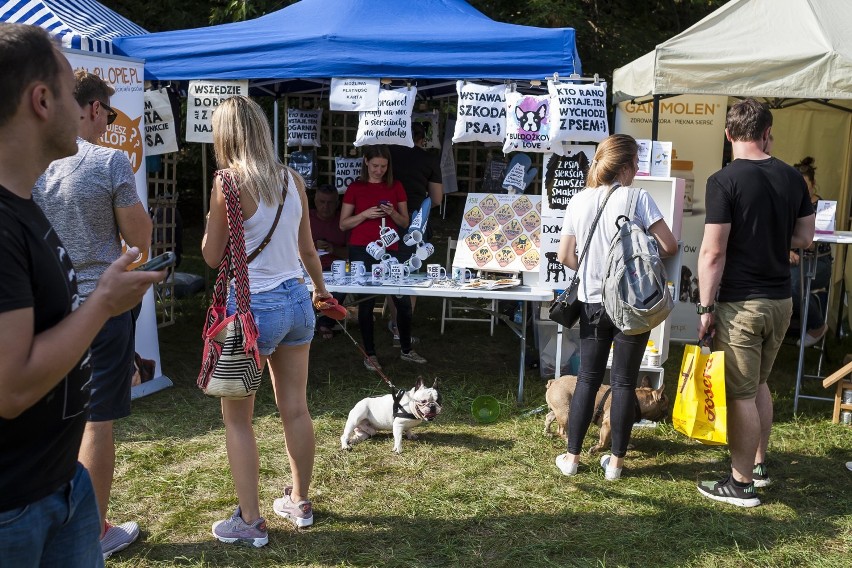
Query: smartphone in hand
x=158, y=262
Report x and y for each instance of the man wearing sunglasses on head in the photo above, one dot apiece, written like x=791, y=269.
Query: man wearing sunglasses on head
x=90, y=198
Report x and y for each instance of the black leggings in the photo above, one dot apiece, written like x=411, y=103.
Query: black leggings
x=365, y=309
x=597, y=333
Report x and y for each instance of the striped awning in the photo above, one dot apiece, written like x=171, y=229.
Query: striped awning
x=80, y=24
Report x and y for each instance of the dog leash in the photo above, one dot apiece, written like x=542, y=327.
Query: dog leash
x=364, y=353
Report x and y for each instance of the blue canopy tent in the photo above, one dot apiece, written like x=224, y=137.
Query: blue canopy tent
x=79, y=24
x=431, y=41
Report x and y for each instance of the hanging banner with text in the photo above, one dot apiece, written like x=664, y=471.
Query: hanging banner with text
x=391, y=123
x=695, y=124
x=578, y=112
x=481, y=113
x=201, y=100
x=303, y=127
x=160, y=137
x=346, y=170
x=564, y=176
x=354, y=94
x=125, y=134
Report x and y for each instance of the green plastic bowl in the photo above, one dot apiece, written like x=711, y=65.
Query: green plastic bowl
x=485, y=409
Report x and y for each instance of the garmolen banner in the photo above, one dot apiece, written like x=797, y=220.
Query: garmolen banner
x=695, y=124
x=125, y=75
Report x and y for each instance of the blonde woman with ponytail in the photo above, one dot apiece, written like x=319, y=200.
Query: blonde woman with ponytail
x=612, y=170
x=281, y=305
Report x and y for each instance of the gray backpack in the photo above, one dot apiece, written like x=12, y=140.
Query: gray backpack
x=635, y=295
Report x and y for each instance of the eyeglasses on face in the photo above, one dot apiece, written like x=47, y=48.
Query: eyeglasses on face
x=111, y=114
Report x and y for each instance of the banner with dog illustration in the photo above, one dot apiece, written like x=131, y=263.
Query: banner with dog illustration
x=700, y=409
x=528, y=124
x=552, y=274
x=564, y=176
x=500, y=233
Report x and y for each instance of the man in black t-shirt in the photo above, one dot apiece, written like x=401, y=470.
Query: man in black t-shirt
x=48, y=512
x=757, y=209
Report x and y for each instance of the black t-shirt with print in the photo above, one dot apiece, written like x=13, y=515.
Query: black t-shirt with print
x=38, y=449
x=761, y=199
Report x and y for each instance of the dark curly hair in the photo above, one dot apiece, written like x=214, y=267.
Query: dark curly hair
x=806, y=168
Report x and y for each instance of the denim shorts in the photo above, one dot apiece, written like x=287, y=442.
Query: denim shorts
x=284, y=315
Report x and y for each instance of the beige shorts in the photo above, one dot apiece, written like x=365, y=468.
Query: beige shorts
x=750, y=333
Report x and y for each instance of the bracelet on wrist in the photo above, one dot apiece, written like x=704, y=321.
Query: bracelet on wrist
x=700, y=310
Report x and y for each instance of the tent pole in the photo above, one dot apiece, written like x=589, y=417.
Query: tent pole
x=655, y=118
x=275, y=123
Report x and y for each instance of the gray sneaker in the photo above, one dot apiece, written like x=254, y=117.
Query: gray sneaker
x=300, y=514
x=236, y=530
x=412, y=357
x=118, y=538
x=727, y=491
x=372, y=363
x=397, y=343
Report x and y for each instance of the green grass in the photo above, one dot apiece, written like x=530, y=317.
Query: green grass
x=467, y=494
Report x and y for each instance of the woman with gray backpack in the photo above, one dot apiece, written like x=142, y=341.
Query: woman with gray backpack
x=593, y=220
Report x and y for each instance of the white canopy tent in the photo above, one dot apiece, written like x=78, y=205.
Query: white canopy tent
x=794, y=54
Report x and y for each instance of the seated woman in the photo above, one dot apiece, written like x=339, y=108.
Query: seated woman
x=815, y=318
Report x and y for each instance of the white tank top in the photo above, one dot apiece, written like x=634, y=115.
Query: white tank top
x=279, y=261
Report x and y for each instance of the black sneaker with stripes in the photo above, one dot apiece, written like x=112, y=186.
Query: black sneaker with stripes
x=727, y=491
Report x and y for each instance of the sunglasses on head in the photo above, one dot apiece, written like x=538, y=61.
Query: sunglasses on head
x=111, y=114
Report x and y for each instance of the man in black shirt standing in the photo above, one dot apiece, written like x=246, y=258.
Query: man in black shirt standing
x=757, y=209
x=48, y=512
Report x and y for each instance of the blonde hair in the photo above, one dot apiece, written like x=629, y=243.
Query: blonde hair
x=613, y=154
x=242, y=142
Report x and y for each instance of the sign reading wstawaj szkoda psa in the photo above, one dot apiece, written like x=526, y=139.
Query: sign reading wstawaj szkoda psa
x=202, y=99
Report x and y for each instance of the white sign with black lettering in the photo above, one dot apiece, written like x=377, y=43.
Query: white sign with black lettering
x=160, y=135
x=578, y=112
x=346, y=170
x=353, y=94
x=391, y=123
x=552, y=274
x=202, y=99
x=481, y=113
x=303, y=127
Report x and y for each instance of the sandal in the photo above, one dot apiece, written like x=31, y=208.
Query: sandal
x=325, y=332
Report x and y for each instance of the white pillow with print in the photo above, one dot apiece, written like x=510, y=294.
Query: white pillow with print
x=303, y=127
x=528, y=123
x=481, y=113
x=391, y=123
x=578, y=113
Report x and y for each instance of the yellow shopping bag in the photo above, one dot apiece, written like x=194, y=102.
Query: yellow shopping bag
x=700, y=409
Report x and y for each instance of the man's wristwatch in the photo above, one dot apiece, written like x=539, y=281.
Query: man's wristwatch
x=705, y=309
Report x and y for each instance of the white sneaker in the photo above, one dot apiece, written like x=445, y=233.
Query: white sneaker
x=118, y=537
x=849, y=466
x=412, y=357
x=566, y=467
x=610, y=473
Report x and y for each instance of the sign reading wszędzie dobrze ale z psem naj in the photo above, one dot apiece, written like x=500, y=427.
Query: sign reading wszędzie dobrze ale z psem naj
x=202, y=99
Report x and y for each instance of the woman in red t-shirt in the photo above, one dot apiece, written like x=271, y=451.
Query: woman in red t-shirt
x=368, y=200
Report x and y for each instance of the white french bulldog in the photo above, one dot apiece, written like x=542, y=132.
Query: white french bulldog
x=398, y=412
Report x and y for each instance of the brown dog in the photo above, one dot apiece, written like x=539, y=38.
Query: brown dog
x=653, y=404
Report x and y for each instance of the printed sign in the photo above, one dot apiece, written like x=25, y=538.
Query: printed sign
x=578, y=112
x=429, y=120
x=661, y=159
x=825, y=214
x=552, y=274
x=160, y=137
x=564, y=176
x=354, y=94
x=391, y=123
x=644, y=157
x=528, y=125
x=201, y=100
x=500, y=233
x=448, y=162
x=481, y=113
x=346, y=170
x=303, y=127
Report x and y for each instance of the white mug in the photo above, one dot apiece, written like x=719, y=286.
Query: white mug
x=380, y=273
x=400, y=271
x=338, y=270
x=376, y=249
x=462, y=275
x=425, y=250
x=436, y=272
x=358, y=270
x=414, y=263
x=388, y=236
x=413, y=237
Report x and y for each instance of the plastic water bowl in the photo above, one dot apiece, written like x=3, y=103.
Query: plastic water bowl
x=485, y=409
